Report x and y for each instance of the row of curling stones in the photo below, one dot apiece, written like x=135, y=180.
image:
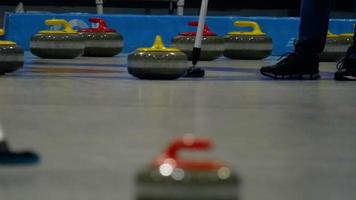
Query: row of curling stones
x=170, y=177
x=157, y=62
x=336, y=46
x=212, y=44
x=253, y=45
x=68, y=43
x=11, y=56
x=15, y=158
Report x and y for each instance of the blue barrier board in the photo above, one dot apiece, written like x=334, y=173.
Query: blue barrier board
x=140, y=30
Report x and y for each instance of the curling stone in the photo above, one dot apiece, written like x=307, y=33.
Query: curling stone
x=212, y=45
x=336, y=46
x=65, y=43
x=101, y=41
x=157, y=62
x=11, y=56
x=252, y=45
x=174, y=178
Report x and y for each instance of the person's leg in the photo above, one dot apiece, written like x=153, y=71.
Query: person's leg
x=314, y=26
x=304, y=62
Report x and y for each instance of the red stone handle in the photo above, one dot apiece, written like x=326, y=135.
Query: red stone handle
x=171, y=154
x=206, y=27
x=187, y=143
x=102, y=26
x=97, y=20
x=206, y=31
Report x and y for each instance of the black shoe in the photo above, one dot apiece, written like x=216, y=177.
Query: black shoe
x=294, y=66
x=346, y=67
x=7, y=157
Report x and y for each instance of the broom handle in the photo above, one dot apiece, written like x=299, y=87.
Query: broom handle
x=200, y=30
x=202, y=17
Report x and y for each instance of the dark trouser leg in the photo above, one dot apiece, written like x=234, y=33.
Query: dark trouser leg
x=314, y=27
x=354, y=40
x=352, y=49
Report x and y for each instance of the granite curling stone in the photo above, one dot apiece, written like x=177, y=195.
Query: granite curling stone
x=336, y=46
x=62, y=44
x=212, y=45
x=101, y=41
x=174, y=178
x=11, y=56
x=157, y=62
x=254, y=45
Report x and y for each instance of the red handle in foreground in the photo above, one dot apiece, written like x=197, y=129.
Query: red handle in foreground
x=171, y=154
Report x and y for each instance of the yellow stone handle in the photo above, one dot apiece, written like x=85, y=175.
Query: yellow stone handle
x=2, y=32
x=67, y=27
x=348, y=34
x=256, y=29
x=158, y=46
x=331, y=35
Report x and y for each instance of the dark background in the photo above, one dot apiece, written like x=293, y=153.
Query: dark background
x=338, y=5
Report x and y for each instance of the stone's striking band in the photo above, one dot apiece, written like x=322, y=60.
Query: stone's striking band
x=15, y=56
x=171, y=177
x=248, y=45
x=189, y=185
x=11, y=56
x=103, y=44
x=48, y=42
x=336, y=46
x=101, y=41
x=212, y=45
x=65, y=43
x=157, y=62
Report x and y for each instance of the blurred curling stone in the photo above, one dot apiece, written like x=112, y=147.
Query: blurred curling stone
x=336, y=46
x=11, y=56
x=170, y=177
x=157, y=62
x=101, y=41
x=212, y=44
x=65, y=44
x=11, y=158
x=253, y=45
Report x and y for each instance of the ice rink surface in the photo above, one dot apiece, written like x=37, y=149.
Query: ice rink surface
x=95, y=126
